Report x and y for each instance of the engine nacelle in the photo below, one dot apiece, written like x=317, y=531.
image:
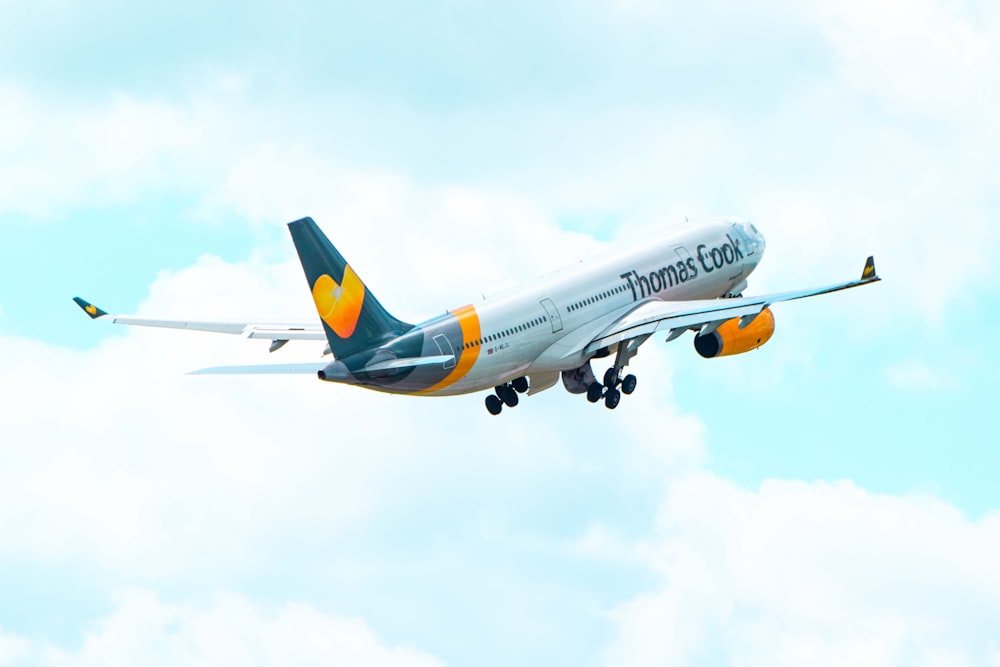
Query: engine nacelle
x=730, y=339
x=578, y=380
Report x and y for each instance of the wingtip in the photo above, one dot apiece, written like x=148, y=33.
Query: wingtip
x=92, y=311
x=868, y=273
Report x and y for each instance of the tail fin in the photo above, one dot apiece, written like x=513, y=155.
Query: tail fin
x=352, y=317
x=89, y=308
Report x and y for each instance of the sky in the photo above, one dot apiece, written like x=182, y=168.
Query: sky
x=828, y=499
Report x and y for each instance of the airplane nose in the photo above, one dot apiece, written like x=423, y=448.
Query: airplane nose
x=757, y=241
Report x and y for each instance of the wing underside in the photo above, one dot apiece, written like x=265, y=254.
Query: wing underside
x=706, y=315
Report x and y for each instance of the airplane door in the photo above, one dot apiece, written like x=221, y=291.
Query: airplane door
x=444, y=346
x=554, y=318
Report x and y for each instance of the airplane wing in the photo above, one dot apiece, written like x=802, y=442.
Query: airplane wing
x=707, y=315
x=311, y=368
x=305, y=368
x=278, y=333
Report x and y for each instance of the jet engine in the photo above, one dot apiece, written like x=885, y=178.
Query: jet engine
x=730, y=339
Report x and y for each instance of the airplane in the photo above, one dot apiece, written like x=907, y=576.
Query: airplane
x=523, y=341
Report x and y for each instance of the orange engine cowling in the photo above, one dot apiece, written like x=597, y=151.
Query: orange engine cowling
x=730, y=339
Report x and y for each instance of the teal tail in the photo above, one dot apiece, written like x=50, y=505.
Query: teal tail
x=352, y=317
x=93, y=311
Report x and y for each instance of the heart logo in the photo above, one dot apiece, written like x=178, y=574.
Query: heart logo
x=339, y=305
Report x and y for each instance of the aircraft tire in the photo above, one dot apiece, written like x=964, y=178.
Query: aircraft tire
x=493, y=404
x=594, y=392
x=611, y=377
x=612, y=398
x=628, y=384
x=520, y=384
x=509, y=396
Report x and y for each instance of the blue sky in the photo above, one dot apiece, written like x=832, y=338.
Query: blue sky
x=829, y=498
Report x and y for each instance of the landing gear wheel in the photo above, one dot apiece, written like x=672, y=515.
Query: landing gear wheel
x=628, y=384
x=612, y=398
x=594, y=392
x=509, y=396
x=611, y=377
x=493, y=404
x=520, y=384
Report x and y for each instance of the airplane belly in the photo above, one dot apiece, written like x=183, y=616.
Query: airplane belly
x=491, y=370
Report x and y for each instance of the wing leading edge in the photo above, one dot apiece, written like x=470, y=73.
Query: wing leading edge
x=707, y=315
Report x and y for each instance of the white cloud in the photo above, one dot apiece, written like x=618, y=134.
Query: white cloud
x=13, y=649
x=924, y=57
x=817, y=573
x=877, y=185
x=118, y=458
x=60, y=154
x=441, y=243
x=142, y=629
x=115, y=463
x=113, y=459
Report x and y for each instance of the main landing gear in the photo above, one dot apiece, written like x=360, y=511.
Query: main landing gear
x=614, y=384
x=610, y=391
x=506, y=394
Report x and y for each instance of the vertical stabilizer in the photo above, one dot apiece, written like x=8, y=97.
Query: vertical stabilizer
x=352, y=317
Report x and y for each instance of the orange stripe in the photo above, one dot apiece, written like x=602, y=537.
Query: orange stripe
x=468, y=319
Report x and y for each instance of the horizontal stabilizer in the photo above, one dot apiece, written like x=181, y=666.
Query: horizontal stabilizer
x=410, y=362
x=89, y=308
x=306, y=368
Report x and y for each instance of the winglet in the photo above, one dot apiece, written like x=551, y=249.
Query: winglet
x=868, y=274
x=93, y=311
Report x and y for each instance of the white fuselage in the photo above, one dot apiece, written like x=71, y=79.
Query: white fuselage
x=543, y=326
